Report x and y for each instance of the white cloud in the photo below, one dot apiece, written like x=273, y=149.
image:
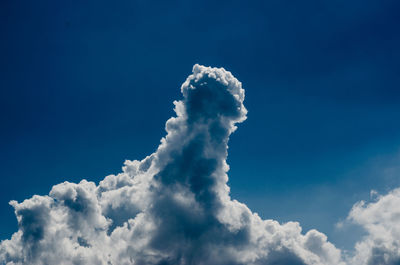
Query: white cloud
x=381, y=220
x=174, y=207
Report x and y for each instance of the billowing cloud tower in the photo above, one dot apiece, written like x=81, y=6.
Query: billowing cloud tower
x=173, y=207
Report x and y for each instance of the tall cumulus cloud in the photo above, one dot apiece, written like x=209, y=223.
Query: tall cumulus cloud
x=174, y=207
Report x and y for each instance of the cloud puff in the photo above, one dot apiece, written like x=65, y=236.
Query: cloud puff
x=381, y=221
x=174, y=207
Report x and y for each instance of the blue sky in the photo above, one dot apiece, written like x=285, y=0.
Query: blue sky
x=84, y=86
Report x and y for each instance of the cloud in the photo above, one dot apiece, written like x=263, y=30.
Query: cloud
x=381, y=221
x=174, y=207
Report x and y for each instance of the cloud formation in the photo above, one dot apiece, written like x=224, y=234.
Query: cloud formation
x=381, y=221
x=174, y=207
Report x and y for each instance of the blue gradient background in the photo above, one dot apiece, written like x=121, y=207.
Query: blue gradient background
x=85, y=85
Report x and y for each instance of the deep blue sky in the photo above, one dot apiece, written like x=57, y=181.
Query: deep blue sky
x=85, y=85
